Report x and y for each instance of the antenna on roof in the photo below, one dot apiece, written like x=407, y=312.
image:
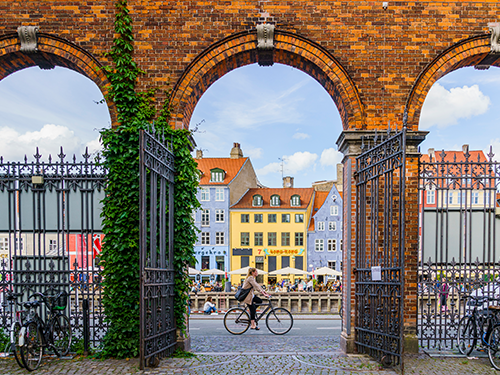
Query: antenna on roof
x=283, y=159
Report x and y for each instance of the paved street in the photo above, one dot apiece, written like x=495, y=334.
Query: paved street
x=312, y=347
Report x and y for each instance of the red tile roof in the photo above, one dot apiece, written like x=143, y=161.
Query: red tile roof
x=319, y=199
x=230, y=166
x=285, y=196
x=455, y=156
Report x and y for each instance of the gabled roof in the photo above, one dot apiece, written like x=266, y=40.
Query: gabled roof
x=319, y=199
x=285, y=196
x=230, y=166
x=454, y=156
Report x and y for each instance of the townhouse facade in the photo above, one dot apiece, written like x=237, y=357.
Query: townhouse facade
x=269, y=230
x=222, y=182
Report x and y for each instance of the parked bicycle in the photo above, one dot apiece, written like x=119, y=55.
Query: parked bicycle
x=36, y=334
x=15, y=328
x=278, y=320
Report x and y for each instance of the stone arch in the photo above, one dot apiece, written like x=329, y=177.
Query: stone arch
x=468, y=52
x=53, y=51
x=290, y=49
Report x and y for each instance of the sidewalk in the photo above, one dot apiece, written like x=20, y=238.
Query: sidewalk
x=220, y=315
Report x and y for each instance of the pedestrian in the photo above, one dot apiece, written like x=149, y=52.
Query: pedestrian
x=209, y=307
x=444, y=296
x=252, y=299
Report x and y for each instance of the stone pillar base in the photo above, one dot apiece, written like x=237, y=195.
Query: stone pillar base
x=410, y=343
x=184, y=343
x=347, y=344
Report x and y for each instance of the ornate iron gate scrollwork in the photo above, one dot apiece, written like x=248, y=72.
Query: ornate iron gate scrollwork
x=380, y=240
x=157, y=325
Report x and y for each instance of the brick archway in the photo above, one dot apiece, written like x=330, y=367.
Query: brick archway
x=53, y=51
x=290, y=49
x=469, y=52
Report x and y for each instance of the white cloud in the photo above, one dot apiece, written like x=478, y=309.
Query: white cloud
x=292, y=164
x=301, y=136
x=94, y=145
x=253, y=153
x=330, y=157
x=48, y=139
x=444, y=107
x=495, y=145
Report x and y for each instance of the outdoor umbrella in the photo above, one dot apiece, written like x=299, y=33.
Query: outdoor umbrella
x=244, y=271
x=193, y=271
x=213, y=271
x=325, y=271
x=288, y=271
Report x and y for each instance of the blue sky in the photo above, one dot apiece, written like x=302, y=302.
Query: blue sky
x=283, y=119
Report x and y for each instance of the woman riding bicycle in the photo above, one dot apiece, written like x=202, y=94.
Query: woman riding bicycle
x=252, y=299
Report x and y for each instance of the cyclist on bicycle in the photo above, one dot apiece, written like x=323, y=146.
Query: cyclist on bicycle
x=252, y=299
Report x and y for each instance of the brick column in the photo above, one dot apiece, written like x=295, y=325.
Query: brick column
x=349, y=144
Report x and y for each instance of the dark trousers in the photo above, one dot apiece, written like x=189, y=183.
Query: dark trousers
x=253, y=307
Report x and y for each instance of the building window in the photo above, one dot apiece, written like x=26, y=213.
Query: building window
x=205, y=238
x=475, y=197
x=205, y=263
x=217, y=175
x=205, y=194
x=320, y=226
x=271, y=239
x=318, y=245
x=275, y=200
x=52, y=245
x=257, y=200
x=285, y=218
x=245, y=239
x=299, y=239
x=332, y=225
x=285, y=239
x=258, y=239
x=450, y=197
x=295, y=201
x=299, y=218
x=334, y=210
x=271, y=218
x=219, y=238
x=4, y=244
x=332, y=245
x=258, y=218
x=431, y=197
x=332, y=264
x=340, y=245
x=19, y=244
x=461, y=197
x=219, y=216
x=245, y=218
x=219, y=194
x=205, y=218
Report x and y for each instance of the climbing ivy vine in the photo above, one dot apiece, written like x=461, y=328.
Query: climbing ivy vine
x=120, y=251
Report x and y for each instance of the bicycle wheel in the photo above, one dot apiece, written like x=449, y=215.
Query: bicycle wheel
x=236, y=321
x=14, y=342
x=466, y=337
x=494, y=347
x=61, y=334
x=279, y=321
x=30, y=346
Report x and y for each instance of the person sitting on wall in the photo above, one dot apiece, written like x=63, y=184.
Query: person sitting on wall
x=209, y=307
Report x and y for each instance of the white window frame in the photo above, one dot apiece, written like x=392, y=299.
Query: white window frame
x=219, y=216
x=19, y=244
x=475, y=197
x=216, y=176
x=450, y=197
x=205, y=194
x=332, y=244
x=332, y=264
x=219, y=194
x=4, y=244
x=257, y=200
x=205, y=238
x=320, y=226
x=275, y=201
x=319, y=245
x=205, y=218
x=431, y=197
x=299, y=216
x=332, y=225
x=295, y=201
x=334, y=210
x=219, y=238
x=52, y=245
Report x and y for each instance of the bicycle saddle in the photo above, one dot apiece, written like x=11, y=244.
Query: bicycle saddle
x=32, y=304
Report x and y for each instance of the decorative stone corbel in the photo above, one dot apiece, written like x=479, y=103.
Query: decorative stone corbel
x=265, y=44
x=495, y=36
x=28, y=38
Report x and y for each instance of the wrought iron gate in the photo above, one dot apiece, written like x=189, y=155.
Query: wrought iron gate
x=50, y=235
x=380, y=239
x=157, y=321
x=459, y=251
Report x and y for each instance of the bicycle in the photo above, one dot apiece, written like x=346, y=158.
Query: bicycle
x=278, y=320
x=15, y=327
x=36, y=335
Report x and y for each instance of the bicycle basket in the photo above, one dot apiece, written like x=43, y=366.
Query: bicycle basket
x=58, y=301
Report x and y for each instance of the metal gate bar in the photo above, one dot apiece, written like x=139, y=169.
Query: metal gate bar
x=380, y=238
x=157, y=320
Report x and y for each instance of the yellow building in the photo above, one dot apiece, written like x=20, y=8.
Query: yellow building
x=269, y=230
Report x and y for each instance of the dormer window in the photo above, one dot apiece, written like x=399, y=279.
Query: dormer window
x=275, y=200
x=295, y=201
x=257, y=200
x=217, y=175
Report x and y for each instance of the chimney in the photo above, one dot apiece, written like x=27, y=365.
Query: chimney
x=236, y=152
x=465, y=149
x=340, y=177
x=431, y=153
x=288, y=182
x=199, y=154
